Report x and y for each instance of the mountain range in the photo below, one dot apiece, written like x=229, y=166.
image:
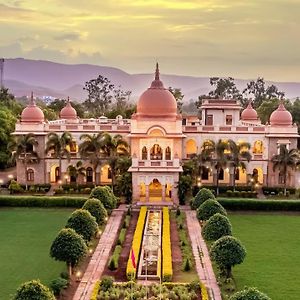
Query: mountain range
x=46, y=78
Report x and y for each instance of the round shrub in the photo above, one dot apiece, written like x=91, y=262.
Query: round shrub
x=249, y=294
x=96, y=209
x=58, y=284
x=203, y=195
x=227, y=252
x=106, y=283
x=33, y=290
x=105, y=195
x=216, y=227
x=68, y=246
x=209, y=208
x=83, y=223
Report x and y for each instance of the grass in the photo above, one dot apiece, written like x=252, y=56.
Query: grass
x=26, y=235
x=272, y=263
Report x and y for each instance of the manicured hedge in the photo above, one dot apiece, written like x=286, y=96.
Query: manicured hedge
x=113, y=263
x=41, y=201
x=167, y=271
x=277, y=190
x=260, y=204
x=136, y=243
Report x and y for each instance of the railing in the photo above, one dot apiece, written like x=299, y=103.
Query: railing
x=244, y=127
x=155, y=163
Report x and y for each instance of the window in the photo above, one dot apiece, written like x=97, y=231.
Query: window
x=168, y=153
x=209, y=120
x=258, y=147
x=183, y=122
x=280, y=178
x=89, y=174
x=205, y=173
x=221, y=174
x=144, y=153
x=73, y=147
x=57, y=177
x=228, y=119
x=156, y=152
x=109, y=173
x=237, y=174
x=30, y=175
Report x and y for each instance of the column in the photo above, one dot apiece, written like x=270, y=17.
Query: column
x=147, y=192
x=163, y=193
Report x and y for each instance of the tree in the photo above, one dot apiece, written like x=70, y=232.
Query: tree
x=83, y=223
x=202, y=195
x=105, y=196
x=69, y=247
x=227, y=252
x=91, y=149
x=216, y=227
x=33, y=290
x=239, y=153
x=96, y=209
x=249, y=293
x=57, y=146
x=284, y=161
x=184, y=187
x=76, y=171
x=177, y=93
x=225, y=88
x=124, y=185
x=22, y=148
x=209, y=208
x=58, y=104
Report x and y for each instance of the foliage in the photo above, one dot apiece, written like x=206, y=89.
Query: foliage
x=184, y=187
x=225, y=88
x=249, y=294
x=167, y=271
x=113, y=262
x=96, y=209
x=177, y=93
x=121, y=237
x=14, y=187
x=209, y=208
x=33, y=290
x=203, y=195
x=136, y=243
x=58, y=104
x=105, y=195
x=227, y=252
x=76, y=170
x=124, y=186
x=106, y=283
x=216, y=227
x=58, y=284
x=83, y=223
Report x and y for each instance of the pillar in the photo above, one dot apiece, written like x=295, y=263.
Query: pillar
x=163, y=193
x=147, y=192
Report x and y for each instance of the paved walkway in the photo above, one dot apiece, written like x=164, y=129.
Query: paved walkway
x=98, y=261
x=201, y=254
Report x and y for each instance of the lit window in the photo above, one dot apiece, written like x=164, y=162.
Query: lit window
x=30, y=175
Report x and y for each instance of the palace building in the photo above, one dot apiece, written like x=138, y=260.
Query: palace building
x=160, y=141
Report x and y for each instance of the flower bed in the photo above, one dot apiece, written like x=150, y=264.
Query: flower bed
x=167, y=271
x=136, y=243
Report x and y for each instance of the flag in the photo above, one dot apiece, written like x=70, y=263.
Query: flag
x=133, y=258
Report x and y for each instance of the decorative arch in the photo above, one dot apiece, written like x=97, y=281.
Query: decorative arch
x=54, y=173
x=156, y=152
x=156, y=131
x=168, y=153
x=30, y=175
x=190, y=147
x=144, y=153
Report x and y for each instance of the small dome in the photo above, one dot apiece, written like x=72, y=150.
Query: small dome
x=157, y=101
x=249, y=113
x=32, y=113
x=68, y=112
x=281, y=117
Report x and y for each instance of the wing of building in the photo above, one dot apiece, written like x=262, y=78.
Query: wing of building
x=160, y=141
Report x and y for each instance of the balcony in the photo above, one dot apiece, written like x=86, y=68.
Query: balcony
x=153, y=164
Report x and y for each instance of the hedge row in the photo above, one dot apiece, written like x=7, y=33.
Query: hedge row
x=41, y=201
x=136, y=243
x=260, y=204
x=167, y=271
x=113, y=263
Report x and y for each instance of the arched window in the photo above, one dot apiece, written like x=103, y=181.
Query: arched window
x=144, y=153
x=191, y=148
x=156, y=152
x=205, y=173
x=168, y=153
x=30, y=175
x=73, y=147
x=221, y=174
x=258, y=147
x=89, y=174
x=57, y=177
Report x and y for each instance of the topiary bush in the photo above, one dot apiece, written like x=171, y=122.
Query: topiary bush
x=227, y=252
x=250, y=293
x=216, y=227
x=105, y=195
x=106, y=283
x=209, y=208
x=83, y=223
x=203, y=195
x=96, y=209
x=33, y=290
x=58, y=284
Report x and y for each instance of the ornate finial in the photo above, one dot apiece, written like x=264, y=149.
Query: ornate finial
x=31, y=101
x=157, y=72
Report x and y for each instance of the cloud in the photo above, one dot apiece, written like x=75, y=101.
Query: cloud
x=68, y=36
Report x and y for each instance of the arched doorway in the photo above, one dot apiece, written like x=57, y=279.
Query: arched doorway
x=89, y=175
x=57, y=177
x=156, y=152
x=155, y=190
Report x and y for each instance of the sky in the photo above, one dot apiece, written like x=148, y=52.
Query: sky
x=242, y=39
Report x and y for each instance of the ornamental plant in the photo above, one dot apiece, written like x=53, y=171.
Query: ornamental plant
x=249, y=293
x=209, y=208
x=216, y=227
x=105, y=195
x=33, y=290
x=96, y=209
x=202, y=195
x=167, y=271
x=227, y=252
x=83, y=223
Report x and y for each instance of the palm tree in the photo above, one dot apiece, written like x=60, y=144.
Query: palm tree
x=22, y=148
x=57, y=145
x=239, y=153
x=285, y=160
x=91, y=149
x=114, y=147
x=76, y=171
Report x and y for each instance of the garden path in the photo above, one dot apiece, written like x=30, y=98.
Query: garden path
x=100, y=256
x=201, y=254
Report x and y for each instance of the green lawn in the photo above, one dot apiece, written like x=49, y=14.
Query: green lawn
x=26, y=235
x=273, y=253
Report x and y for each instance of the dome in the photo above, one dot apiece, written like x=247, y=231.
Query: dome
x=157, y=101
x=281, y=116
x=249, y=113
x=32, y=113
x=68, y=112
